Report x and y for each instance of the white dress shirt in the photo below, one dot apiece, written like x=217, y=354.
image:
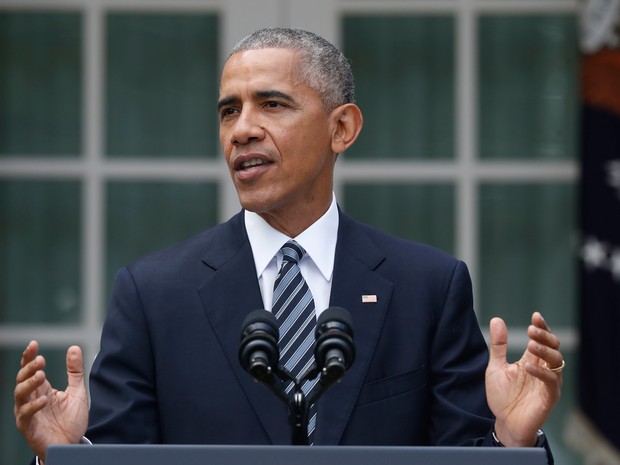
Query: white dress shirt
x=317, y=265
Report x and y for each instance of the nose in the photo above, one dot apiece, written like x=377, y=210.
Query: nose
x=247, y=128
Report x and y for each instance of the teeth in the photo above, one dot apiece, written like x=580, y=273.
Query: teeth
x=251, y=163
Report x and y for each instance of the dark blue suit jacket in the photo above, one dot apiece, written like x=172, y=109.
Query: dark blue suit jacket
x=168, y=370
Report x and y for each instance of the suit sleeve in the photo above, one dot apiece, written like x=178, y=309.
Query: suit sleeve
x=122, y=381
x=458, y=362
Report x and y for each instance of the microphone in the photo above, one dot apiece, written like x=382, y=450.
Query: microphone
x=259, y=353
x=334, y=352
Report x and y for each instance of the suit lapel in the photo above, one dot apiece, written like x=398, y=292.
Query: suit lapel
x=229, y=294
x=354, y=276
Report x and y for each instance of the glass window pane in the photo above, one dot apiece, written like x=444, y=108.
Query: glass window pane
x=404, y=72
x=527, y=257
x=162, y=84
x=41, y=86
x=39, y=251
x=146, y=216
x=528, y=96
x=13, y=446
x=419, y=212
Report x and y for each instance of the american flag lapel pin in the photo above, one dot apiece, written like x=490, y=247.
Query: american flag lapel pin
x=369, y=298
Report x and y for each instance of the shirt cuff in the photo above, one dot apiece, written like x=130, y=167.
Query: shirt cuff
x=540, y=439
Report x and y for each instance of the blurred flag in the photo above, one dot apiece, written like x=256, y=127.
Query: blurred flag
x=596, y=429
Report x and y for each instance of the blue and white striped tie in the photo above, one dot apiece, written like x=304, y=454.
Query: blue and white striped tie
x=293, y=307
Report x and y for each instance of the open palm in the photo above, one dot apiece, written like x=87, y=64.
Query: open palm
x=522, y=394
x=46, y=415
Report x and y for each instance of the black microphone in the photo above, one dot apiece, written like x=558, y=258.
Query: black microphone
x=259, y=353
x=335, y=351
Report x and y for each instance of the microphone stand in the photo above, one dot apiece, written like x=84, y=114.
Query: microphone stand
x=298, y=417
x=299, y=404
x=273, y=377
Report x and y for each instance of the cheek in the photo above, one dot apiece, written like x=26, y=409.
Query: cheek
x=225, y=145
x=318, y=137
x=311, y=140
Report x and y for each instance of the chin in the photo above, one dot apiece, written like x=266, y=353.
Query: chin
x=255, y=199
x=253, y=204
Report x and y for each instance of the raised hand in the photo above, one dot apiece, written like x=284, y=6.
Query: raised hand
x=522, y=394
x=45, y=415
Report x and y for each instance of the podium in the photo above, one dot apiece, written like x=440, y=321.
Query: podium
x=287, y=455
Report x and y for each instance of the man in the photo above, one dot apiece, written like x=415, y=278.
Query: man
x=168, y=370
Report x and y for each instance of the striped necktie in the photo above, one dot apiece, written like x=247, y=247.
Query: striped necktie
x=293, y=307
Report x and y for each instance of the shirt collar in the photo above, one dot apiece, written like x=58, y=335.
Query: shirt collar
x=319, y=240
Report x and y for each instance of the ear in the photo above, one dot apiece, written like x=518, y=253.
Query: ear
x=348, y=122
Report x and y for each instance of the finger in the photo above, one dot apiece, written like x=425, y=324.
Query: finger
x=543, y=336
x=29, y=369
x=30, y=352
x=26, y=390
x=552, y=379
x=498, y=337
x=539, y=321
x=540, y=332
x=75, y=367
x=551, y=356
x=25, y=412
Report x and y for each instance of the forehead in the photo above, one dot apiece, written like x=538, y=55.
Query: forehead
x=263, y=68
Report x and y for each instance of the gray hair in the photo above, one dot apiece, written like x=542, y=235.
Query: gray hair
x=322, y=65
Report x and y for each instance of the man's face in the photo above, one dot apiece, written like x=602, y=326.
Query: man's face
x=276, y=137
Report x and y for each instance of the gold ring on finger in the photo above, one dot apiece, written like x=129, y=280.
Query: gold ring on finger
x=556, y=369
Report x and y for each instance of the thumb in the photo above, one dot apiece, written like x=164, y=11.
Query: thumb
x=498, y=335
x=75, y=367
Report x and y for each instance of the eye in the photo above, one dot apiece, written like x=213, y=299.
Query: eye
x=228, y=111
x=272, y=104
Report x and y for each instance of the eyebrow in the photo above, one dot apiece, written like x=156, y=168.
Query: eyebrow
x=267, y=94
x=226, y=101
x=260, y=94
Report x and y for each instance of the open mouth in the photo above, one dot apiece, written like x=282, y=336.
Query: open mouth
x=249, y=164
